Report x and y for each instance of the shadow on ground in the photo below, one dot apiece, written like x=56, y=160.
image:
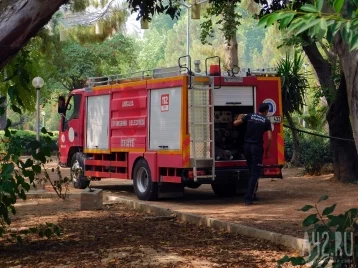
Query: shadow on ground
x=120, y=237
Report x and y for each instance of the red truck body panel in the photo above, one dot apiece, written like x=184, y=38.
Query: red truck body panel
x=129, y=128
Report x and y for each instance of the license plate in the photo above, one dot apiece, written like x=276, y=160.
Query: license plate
x=275, y=119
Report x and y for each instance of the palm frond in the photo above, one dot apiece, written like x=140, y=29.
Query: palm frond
x=294, y=83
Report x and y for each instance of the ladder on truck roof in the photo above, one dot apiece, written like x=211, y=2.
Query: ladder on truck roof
x=201, y=121
x=244, y=72
x=135, y=76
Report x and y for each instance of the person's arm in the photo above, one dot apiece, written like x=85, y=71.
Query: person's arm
x=269, y=139
x=240, y=119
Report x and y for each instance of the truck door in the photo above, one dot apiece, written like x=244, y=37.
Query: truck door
x=71, y=127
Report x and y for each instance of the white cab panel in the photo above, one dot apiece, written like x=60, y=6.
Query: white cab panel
x=165, y=118
x=97, y=127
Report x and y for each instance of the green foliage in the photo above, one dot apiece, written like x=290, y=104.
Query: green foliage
x=75, y=63
x=315, y=152
x=17, y=175
x=270, y=51
x=111, y=25
x=43, y=230
x=164, y=42
x=311, y=20
x=161, y=47
x=293, y=83
x=22, y=139
x=16, y=78
x=146, y=9
x=152, y=49
x=315, y=117
x=80, y=5
x=255, y=39
x=229, y=20
x=329, y=238
x=69, y=64
x=329, y=93
x=36, y=59
x=117, y=55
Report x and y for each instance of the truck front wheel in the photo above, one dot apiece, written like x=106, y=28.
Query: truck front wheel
x=224, y=190
x=144, y=187
x=77, y=169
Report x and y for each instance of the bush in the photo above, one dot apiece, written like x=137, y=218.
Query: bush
x=328, y=237
x=315, y=151
x=317, y=154
x=22, y=139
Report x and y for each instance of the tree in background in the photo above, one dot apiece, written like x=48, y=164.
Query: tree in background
x=152, y=45
x=112, y=24
x=73, y=63
x=293, y=88
x=221, y=17
x=326, y=33
x=272, y=49
x=339, y=20
x=65, y=65
x=28, y=18
x=229, y=20
x=23, y=63
x=175, y=45
x=164, y=43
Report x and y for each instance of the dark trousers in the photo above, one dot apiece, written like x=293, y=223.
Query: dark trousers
x=253, y=155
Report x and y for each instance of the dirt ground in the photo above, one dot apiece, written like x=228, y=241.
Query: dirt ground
x=277, y=211
x=119, y=237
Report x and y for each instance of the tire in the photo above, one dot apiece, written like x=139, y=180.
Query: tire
x=79, y=180
x=144, y=187
x=224, y=190
x=193, y=185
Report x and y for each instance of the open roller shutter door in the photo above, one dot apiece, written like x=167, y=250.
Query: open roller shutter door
x=227, y=95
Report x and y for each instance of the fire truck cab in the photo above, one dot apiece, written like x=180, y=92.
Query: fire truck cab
x=166, y=129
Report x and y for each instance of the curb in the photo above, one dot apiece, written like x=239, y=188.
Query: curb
x=235, y=228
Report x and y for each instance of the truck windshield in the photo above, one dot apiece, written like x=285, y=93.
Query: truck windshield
x=73, y=107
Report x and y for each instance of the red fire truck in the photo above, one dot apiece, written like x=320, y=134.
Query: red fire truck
x=167, y=129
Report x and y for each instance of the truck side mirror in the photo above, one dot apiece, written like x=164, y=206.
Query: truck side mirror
x=61, y=105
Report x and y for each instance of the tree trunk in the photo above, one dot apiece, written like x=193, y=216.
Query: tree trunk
x=3, y=120
x=344, y=156
x=3, y=117
x=344, y=153
x=349, y=66
x=322, y=67
x=18, y=123
x=19, y=21
x=231, y=54
x=296, y=150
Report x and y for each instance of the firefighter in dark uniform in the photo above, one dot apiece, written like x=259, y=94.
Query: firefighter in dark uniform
x=257, y=125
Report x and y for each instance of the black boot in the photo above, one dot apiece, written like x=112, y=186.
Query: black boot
x=248, y=202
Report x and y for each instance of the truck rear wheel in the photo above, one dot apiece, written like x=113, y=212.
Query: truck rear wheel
x=79, y=180
x=193, y=185
x=224, y=190
x=144, y=187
